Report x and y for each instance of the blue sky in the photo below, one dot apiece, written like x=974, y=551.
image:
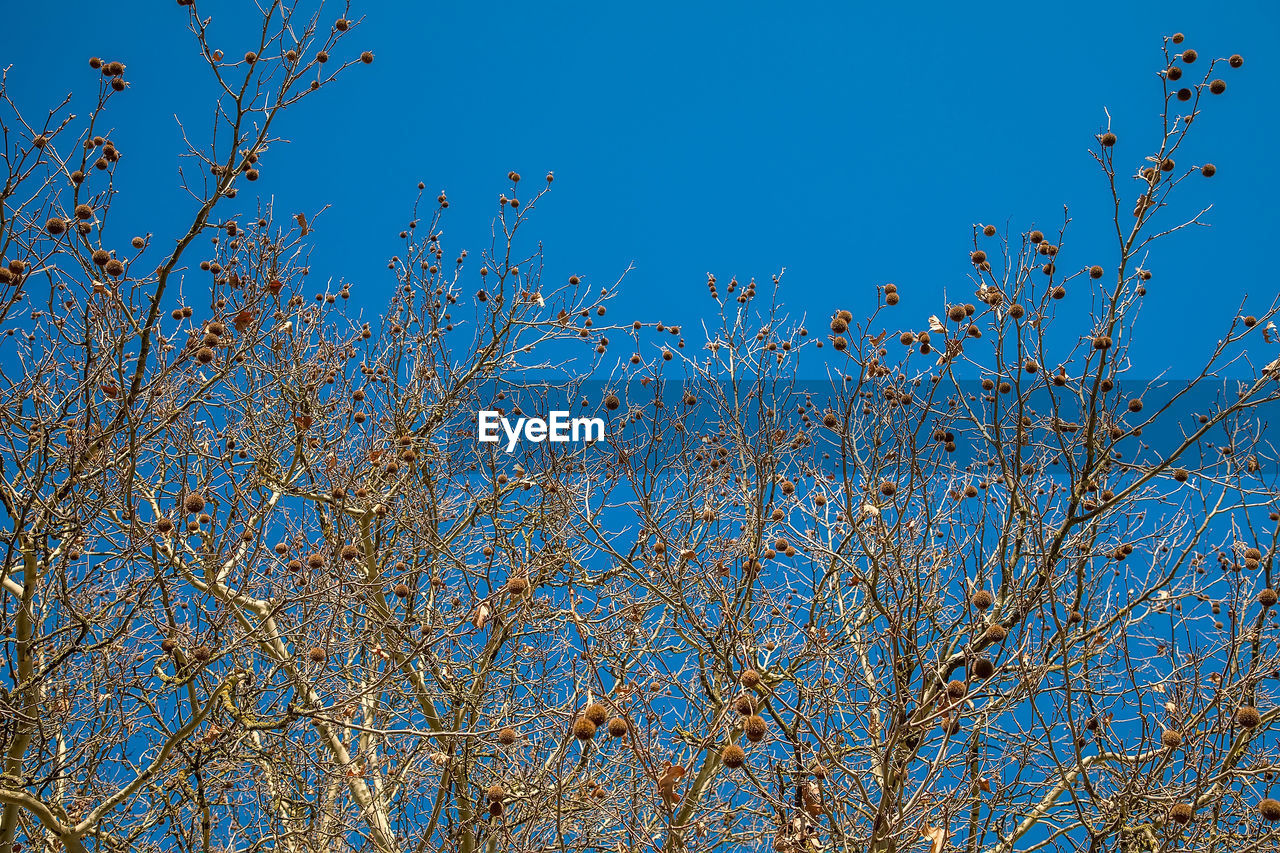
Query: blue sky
x=851, y=144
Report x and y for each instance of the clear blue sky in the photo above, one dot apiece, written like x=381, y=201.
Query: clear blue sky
x=852, y=144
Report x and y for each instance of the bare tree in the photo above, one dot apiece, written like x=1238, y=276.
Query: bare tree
x=263, y=589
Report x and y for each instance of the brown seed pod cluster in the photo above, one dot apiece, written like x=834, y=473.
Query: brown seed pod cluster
x=1247, y=717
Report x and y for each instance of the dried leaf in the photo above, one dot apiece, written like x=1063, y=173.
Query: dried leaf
x=667, y=783
x=937, y=837
x=481, y=616
x=302, y=223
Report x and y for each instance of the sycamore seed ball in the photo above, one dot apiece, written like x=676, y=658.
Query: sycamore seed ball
x=1247, y=717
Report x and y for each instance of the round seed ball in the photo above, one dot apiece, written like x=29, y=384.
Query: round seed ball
x=1247, y=717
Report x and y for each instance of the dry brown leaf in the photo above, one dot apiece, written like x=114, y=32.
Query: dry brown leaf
x=937, y=836
x=667, y=783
